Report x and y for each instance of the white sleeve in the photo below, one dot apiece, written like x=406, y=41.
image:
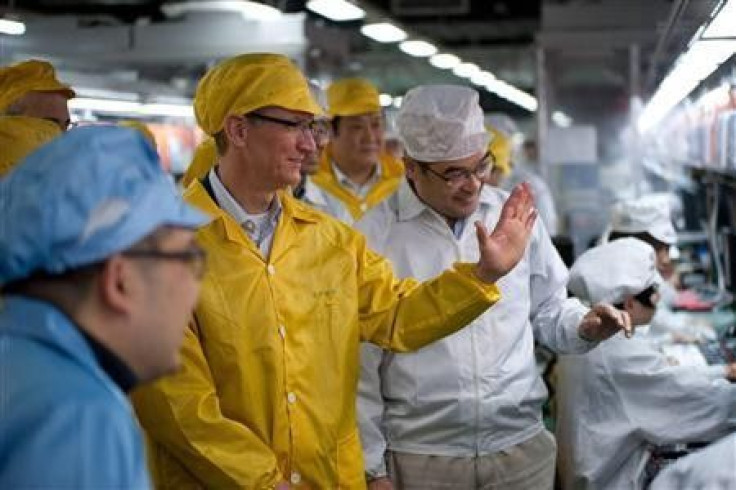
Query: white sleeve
x=370, y=410
x=555, y=318
x=672, y=404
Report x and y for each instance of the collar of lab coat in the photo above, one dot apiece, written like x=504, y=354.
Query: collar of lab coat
x=410, y=206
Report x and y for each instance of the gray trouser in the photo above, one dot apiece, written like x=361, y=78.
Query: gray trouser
x=526, y=466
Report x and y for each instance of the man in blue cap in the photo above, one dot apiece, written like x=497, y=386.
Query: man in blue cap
x=99, y=271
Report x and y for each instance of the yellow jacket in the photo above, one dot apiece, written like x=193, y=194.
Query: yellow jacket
x=267, y=390
x=392, y=173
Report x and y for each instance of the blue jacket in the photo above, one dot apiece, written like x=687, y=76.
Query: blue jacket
x=63, y=422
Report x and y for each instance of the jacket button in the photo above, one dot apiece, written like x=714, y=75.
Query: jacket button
x=363, y=206
x=295, y=477
x=291, y=397
x=271, y=269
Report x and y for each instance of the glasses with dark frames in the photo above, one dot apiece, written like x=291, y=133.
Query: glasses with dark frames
x=456, y=177
x=317, y=128
x=195, y=258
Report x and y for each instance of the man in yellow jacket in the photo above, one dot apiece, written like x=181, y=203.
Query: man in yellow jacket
x=266, y=395
x=355, y=169
x=30, y=88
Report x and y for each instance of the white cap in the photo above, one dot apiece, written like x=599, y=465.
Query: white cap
x=650, y=214
x=611, y=272
x=438, y=123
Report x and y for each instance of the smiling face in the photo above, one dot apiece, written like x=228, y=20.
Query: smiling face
x=357, y=141
x=451, y=188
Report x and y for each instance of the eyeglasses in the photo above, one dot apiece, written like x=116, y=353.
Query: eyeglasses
x=195, y=258
x=316, y=128
x=457, y=176
x=646, y=297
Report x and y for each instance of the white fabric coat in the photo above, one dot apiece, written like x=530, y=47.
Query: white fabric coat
x=711, y=468
x=324, y=201
x=618, y=399
x=477, y=391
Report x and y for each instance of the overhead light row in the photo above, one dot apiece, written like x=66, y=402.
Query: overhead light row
x=12, y=27
x=693, y=66
x=131, y=108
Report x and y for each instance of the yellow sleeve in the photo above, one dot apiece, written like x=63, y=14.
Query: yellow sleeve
x=405, y=315
x=182, y=413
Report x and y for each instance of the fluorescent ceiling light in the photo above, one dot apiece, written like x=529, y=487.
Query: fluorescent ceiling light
x=483, y=78
x=444, y=61
x=724, y=23
x=249, y=10
x=385, y=100
x=129, y=107
x=697, y=63
x=337, y=10
x=466, y=70
x=561, y=119
x=383, y=32
x=398, y=101
x=420, y=49
x=513, y=94
x=12, y=27
x=97, y=93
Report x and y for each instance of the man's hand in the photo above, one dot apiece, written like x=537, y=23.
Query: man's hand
x=382, y=483
x=603, y=321
x=502, y=249
x=731, y=372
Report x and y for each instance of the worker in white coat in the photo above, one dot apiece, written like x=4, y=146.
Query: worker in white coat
x=464, y=412
x=711, y=468
x=622, y=407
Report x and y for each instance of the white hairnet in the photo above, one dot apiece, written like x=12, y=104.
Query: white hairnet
x=439, y=123
x=650, y=214
x=611, y=272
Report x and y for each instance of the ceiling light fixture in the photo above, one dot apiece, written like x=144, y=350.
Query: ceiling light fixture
x=420, y=49
x=383, y=32
x=466, y=70
x=444, y=61
x=249, y=10
x=337, y=10
x=723, y=24
x=483, y=78
x=513, y=94
x=128, y=107
x=12, y=27
x=385, y=100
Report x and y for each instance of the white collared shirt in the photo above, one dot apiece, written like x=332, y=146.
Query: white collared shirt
x=360, y=190
x=320, y=199
x=477, y=391
x=259, y=227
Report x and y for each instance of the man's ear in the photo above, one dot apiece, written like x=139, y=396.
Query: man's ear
x=410, y=167
x=236, y=130
x=115, y=284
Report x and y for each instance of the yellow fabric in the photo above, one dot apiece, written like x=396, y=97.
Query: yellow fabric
x=352, y=96
x=205, y=157
x=249, y=82
x=19, y=136
x=500, y=148
x=292, y=324
x=29, y=76
x=392, y=173
x=145, y=131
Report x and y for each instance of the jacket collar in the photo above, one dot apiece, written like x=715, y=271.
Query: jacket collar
x=410, y=206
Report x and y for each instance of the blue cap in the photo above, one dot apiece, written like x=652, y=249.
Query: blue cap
x=85, y=196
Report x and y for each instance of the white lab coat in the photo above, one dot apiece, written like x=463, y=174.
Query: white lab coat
x=711, y=468
x=477, y=391
x=543, y=199
x=618, y=399
x=324, y=201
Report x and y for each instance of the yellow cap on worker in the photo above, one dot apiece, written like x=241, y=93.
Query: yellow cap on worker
x=248, y=82
x=352, y=96
x=500, y=149
x=29, y=76
x=20, y=136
